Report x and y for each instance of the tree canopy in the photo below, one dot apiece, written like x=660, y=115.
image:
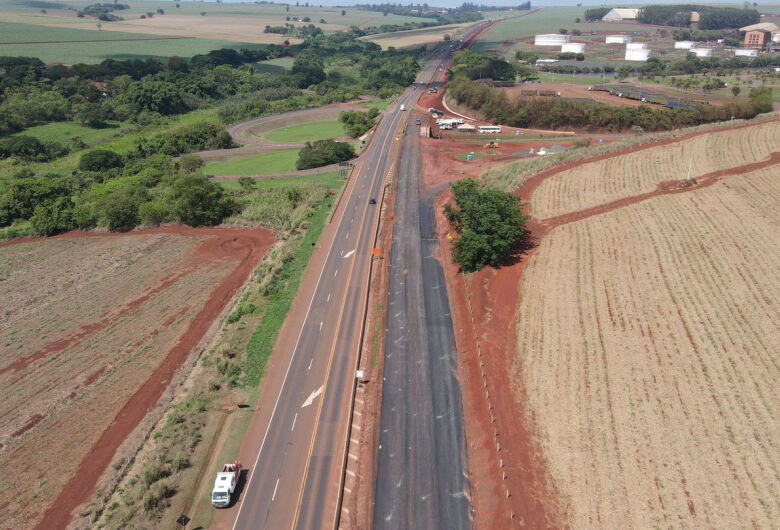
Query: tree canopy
x=489, y=222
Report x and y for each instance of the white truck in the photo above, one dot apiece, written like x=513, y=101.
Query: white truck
x=403, y=107
x=225, y=484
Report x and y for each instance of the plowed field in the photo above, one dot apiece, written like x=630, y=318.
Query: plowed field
x=602, y=182
x=92, y=329
x=647, y=337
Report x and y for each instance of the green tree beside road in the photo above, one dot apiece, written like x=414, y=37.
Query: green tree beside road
x=490, y=223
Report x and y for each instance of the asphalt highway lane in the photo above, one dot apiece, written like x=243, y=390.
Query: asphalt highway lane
x=294, y=481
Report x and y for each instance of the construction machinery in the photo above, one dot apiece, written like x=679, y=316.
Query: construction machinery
x=492, y=144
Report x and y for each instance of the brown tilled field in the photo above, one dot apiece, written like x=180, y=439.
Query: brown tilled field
x=602, y=182
x=92, y=329
x=647, y=338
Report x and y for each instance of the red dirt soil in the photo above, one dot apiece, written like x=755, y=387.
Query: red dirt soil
x=246, y=248
x=510, y=486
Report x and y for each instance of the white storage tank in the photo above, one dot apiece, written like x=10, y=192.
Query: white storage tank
x=617, y=39
x=573, y=47
x=702, y=52
x=684, y=45
x=636, y=45
x=637, y=55
x=746, y=53
x=551, y=39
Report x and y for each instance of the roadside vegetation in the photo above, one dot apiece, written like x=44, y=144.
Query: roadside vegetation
x=489, y=222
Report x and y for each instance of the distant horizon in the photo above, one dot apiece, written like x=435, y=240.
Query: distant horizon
x=507, y=3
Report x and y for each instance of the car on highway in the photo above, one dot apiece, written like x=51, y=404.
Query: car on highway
x=372, y=201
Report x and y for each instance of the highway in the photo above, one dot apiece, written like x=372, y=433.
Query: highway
x=294, y=480
x=422, y=467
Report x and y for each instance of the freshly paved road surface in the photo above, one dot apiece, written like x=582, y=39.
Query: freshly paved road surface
x=422, y=470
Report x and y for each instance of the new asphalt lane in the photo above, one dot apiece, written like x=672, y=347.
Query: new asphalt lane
x=422, y=470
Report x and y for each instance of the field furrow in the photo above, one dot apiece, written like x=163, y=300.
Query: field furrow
x=614, y=178
x=647, y=350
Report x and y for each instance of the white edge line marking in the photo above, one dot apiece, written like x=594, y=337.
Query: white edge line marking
x=310, y=362
x=294, y=419
x=289, y=365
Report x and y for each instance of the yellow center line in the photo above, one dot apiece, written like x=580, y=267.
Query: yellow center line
x=330, y=362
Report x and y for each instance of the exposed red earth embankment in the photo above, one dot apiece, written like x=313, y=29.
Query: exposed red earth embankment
x=94, y=329
x=511, y=480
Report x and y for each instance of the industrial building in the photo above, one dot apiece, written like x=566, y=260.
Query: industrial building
x=636, y=46
x=684, y=44
x=573, y=47
x=637, y=55
x=618, y=14
x=617, y=39
x=551, y=39
x=746, y=53
x=702, y=52
x=758, y=36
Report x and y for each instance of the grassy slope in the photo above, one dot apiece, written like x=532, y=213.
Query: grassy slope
x=64, y=132
x=274, y=66
x=321, y=130
x=263, y=164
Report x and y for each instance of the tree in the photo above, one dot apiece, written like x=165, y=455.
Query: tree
x=100, y=160
x=563, y=31
x=735, y=90
x=53, y=217
x=490, y=223
x=323, y=152
x=191, y=163
x=578, y=20
x=155, y=96
x=99, y=26
x=343, y=12
x=196, y=201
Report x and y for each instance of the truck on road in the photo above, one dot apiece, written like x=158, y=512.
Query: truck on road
x=225, y=484
x=403, y=107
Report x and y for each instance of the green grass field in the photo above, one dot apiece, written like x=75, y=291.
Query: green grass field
x=381, y=104
x=65, y=132
x=71, y=46
x=308, y=132
x=282, y=161
x=279, y=66
x=332, y=180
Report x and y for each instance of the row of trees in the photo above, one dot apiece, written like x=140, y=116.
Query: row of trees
x=561, y=112
x=710, y=17
x=109, y=192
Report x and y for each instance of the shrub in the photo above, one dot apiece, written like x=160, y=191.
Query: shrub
x=323, y=152
x=195, y=200
x=53, y=217
x=100, y=160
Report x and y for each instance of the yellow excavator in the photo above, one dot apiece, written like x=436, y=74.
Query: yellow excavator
x=491, y=145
